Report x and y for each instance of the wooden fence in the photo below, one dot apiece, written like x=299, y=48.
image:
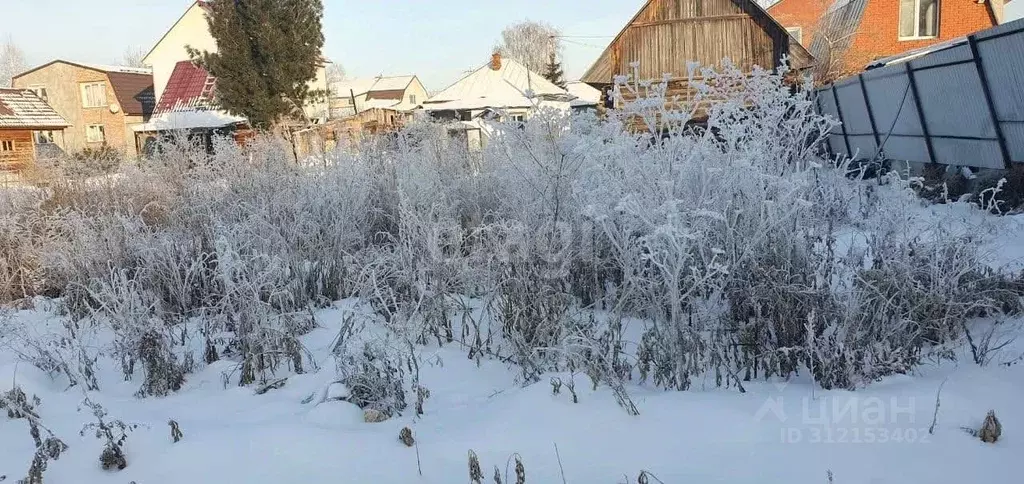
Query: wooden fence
x=958, y=105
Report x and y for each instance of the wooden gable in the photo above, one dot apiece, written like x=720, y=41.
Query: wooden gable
x=666, y=35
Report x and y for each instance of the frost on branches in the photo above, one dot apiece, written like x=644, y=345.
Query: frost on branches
x=733, y=249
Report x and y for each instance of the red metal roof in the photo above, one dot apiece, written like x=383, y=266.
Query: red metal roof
x=22, y=109
x=189, y=88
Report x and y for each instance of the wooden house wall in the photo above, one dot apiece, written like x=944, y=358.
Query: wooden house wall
x=668, y=34
x=24, y=152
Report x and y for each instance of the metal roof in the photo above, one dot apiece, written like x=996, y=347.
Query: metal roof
x=190, y=87
x=21, y=108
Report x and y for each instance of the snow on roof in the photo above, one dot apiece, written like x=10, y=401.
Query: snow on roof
x=21, y=108
x=397, y=83
x=198, y=119
x=915, y=53
x=121, y=69
x=353, y=86
x=371, y=84
x=585, y=94
x=486, y=87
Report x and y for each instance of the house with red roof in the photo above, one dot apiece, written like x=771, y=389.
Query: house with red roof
x=22, y=115
x=100, y=103
x=189, y=104
x=192, y=30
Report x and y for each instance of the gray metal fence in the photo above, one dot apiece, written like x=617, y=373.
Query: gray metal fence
x=958, y=105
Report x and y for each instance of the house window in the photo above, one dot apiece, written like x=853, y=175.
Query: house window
x=797, y=33
x=919, y=19
x=94, y=95
x=44, y=137
x=41, y=92
x=412, y=99
x=518, y=118
x=6, y=145
x=94, y=133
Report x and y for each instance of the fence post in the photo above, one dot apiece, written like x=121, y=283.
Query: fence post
x=842, y=122
x=912, y=79
x=1000, y=138
x=871, y=114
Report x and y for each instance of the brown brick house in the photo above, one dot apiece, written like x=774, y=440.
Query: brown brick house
x=101, y=103
x=845, y=35
x=22, y=114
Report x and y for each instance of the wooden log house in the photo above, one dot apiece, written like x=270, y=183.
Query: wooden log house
x=665, y=36
x=22, y=114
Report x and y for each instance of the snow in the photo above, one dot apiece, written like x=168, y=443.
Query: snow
x=509, y=86
x=584, y=93
x=198, y=119
x=356, y=86
x=121, y=69
x=396, y=83
x=775, y=432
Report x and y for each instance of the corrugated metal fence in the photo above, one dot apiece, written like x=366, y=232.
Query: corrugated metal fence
x=962, y=105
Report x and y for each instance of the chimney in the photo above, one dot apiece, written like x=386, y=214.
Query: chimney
x=496, y=61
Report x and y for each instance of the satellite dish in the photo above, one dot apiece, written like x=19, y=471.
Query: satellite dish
x=114, y=108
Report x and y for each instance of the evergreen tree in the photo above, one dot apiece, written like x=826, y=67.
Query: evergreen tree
x=267, y=52
x=554, y=72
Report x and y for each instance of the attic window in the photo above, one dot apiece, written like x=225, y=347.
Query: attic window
x=797, y=33
x=919, y=19
x=41, y=92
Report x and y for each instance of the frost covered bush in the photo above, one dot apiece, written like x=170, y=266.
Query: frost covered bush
x=669, y=242
x=375, y=376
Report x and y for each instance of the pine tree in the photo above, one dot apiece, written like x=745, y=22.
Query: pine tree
x=267, y=52
x=554, y=72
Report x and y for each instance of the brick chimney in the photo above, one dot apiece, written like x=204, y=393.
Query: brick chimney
x=496, y=61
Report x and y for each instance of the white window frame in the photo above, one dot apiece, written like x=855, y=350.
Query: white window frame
x=89, y=130
x=101, y=103
x=7, y=145
x=797, y=33
x=917, y=22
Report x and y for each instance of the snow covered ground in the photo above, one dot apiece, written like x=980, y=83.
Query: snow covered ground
x=775, y=432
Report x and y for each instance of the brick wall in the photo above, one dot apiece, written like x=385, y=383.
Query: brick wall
x=878, y=35
x=63, y=84
x=801, y=13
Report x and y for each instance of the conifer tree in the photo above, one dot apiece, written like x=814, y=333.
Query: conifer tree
x=267, y=52
x=554, y=72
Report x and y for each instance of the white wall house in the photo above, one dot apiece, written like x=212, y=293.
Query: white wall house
x=502, y=86
x=193, y=31
x=353, y=96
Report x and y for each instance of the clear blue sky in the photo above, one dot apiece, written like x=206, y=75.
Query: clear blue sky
x=437, y=39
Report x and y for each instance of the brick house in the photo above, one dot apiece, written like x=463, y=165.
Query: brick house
x=845, y=35
x=22, y=115
x=100, y=103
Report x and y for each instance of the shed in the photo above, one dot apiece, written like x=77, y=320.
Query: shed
x=665, y=36
x=22, y=112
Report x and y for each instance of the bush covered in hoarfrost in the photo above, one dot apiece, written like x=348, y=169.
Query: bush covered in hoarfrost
x=745, y=252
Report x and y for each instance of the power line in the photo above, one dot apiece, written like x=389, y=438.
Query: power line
x=583, y=36
x=584, y=45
